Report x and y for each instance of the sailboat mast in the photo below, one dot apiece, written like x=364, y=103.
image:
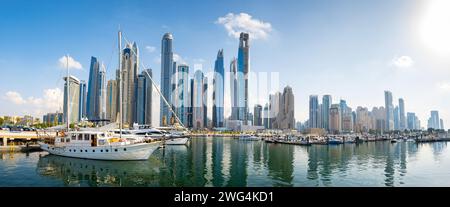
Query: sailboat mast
x=68, y=96
x=120, y=82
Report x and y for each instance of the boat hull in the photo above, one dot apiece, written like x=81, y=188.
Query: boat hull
x=141, y=151
x=177, y=141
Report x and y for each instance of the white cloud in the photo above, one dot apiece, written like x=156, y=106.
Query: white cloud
x=402, y=62
x=51, y=101
x=243, y=22
x=72, y=63
x=150, y=49
x=14, y=97
x=444, y=86
x=180, y=60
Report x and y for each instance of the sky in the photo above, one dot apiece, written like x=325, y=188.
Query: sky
x=353, y=50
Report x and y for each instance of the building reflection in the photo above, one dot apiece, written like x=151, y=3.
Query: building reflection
x=174, y=166
x=281, y=164
x=238, y=167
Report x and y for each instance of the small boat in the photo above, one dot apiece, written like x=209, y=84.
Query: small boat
x=250, y=138
x=393, y=140
x=334, y=141
x=177, y=141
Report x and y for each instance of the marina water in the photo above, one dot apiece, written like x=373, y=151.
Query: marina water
x=217, y=161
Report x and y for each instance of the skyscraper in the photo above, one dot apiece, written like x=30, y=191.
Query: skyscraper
x=93, y=93
x=347, y=120
x=182, y=93
x=362, y=120
x=74, y=99
x=326, y=104
x=442, y=124
x=198, y=109
x=130, y=71
x=389, y=107
x=205, y=102
x=434, y=121
x=243, y=68
x=102, y=92
x=166, y=76
x=274, y=109
x=401, y=108
x=83, y=96
x=257, y=115
x=313, y=111
x=396, y=118
x=285, y=117
x=218, y=91
x=111, y=100
x=233, y=90
x=144, y=98
x=335, y=119
x=266, y=116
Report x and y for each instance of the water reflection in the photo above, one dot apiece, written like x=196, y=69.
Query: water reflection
x=81, y=172
x=232, y=162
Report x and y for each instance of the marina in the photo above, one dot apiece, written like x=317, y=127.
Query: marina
x=224, y=161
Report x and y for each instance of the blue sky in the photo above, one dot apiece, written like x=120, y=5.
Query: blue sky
x=350, y=49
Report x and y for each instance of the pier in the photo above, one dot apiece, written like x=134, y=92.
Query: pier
x=24, y=138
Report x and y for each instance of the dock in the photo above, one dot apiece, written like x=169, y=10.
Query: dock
x=8, y=137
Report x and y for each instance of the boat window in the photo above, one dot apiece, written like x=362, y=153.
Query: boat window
x=80, y=137
x=86, y=137
x=115, y=150
x=93, y=150
x=107, y=150
x=101, y=142
x=124, y=149
x=101, y=150
x=74, y=137
x=68, y=140
x=93, y=136
x=85, y=150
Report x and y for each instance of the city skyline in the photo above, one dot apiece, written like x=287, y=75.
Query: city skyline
x=397, y=68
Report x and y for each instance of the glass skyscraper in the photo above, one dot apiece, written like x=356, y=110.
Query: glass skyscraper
x=166, y=77
x=389, y=110
x=82, y=104
x=182, y=93
x=326, y=104
x=93, y=93
x=313, y=111
x=218, y=91
x=243, y=68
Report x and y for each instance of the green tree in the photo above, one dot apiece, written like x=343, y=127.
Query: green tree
x=1, y=121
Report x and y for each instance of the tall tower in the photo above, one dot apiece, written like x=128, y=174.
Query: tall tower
x=233, y=90
x=130, y=70
x=198, y=108
x=166, y=76
x=102, y=92
x=243, y=70
x=181, y=93
x=218, y=91
x=93, y=93
x=401, y=108
x=326, y=104
x=389, y=107
x=83, y=96
x=313, y=111
x=72, y=100
x=144, y=98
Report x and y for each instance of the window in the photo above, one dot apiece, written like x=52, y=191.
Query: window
x=70, y=150
x=124, y=149
x=81, y=150
x=115, y=150
x=86, y=137
x=93, y=150
x=74, y=137
x=68, y=140
x=93, y=136
x=107, y=150
x=85, y=150
x=101, y=150
x=80, y=137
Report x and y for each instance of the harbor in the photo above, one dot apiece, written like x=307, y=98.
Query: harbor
x=227, y=161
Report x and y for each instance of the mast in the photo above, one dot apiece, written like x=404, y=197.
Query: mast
x=120, y=82
x=68, y=95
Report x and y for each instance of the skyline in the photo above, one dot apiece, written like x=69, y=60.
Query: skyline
x=391, y=62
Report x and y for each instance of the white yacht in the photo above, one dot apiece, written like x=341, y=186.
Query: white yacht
x=98, y=145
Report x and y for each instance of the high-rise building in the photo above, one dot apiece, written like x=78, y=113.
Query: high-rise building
x=396, y=118
x=401, y=108
x=218, y=91
x=266, y=116
x=362, y=120
x=102, y=92
x=326, y=104
x=442, y=124
x=198, y=109
x=379, y=119
x=285, y=117
x=233, y=90
x=257, y=115
x=130, y=71
x=243, y=68
x=347, y=120
x=434, y=121
x=313, y=111
x=111, y=100
x=335, y=119
x=411, y=120
x=73, y=98
x=144, y=97
x=93, y=93
x=190, y=116
x=82, y=104
x=274, y=109
x=389, y=107
x=181, y=93
x=205, y=102
x=166, y=77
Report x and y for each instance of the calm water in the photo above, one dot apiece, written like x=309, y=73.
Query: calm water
x=230, y=162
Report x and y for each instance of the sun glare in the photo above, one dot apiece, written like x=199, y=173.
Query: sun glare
x=435, y=26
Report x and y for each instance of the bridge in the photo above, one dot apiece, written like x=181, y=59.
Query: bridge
x=24, y=136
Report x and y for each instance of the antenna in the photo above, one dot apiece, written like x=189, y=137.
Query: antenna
x=68, y=91
x=120, y=83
